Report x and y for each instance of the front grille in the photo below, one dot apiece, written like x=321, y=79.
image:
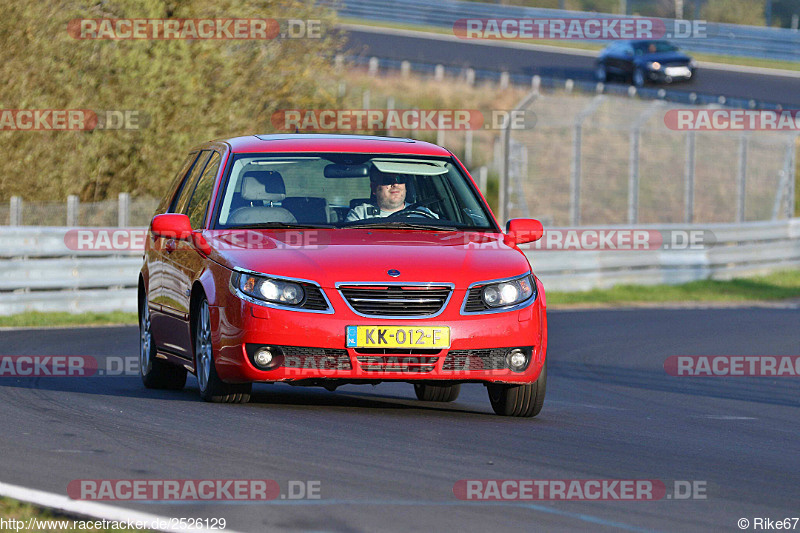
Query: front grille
x=475, y=303
x=396, y=300
x=315, y=358
x=418, y=363
x=462, y=360
x=314, y=301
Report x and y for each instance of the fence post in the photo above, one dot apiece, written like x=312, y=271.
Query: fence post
x=483, y=178
x=790, y=205
x=688, y=179
x=470, y=76
x=633, y=176
x=575, y=166
x=373, y=66
x=405, y=68
x=633, y=161
x=438, y=72
x=741, y=179
x=123, y=214
x=468, y=148
x=505, y=160
x=390, y=108
x=505, y=79
x=72, y=210
x=575, y=178
x=15, y=215
x=365, y=99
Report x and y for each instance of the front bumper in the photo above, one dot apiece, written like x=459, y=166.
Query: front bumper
x=670, y=73
x=314, y=344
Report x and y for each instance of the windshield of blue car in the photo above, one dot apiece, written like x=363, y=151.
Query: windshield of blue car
x=654, y=47
x=349, y=190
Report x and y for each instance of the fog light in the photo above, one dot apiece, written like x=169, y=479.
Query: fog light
x=517, y=360
x=263, y=357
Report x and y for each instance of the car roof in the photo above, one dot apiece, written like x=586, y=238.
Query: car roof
x=316, y=142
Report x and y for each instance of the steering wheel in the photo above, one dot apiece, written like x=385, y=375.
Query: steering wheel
x=414, y=209
x=408, y=212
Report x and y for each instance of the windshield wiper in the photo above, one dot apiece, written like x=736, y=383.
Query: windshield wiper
x=280, y=225
x=402, y=225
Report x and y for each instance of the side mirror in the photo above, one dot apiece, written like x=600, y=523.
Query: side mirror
x=172, y=226
x=522, y=230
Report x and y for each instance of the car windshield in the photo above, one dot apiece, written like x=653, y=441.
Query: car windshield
x=349, y=190
x=654, y=47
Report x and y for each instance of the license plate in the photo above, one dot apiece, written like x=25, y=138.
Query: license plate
x=677, y=71
x=397, y=336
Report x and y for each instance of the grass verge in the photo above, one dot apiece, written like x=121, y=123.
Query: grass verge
x=778, y=286
x=44, y=520
x=581, y=45
x=36, y=319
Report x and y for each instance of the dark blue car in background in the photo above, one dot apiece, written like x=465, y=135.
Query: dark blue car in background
x=641, y=62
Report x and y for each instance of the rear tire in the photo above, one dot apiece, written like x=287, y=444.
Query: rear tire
x=156, y=373
x=212, y=388
x=437, y=393
x=519, y=400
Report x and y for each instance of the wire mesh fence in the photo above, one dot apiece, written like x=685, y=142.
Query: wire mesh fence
x=123, y=211
x=612, y=160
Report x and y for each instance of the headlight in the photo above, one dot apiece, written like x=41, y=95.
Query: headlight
x=654, y=65
x=270, y=289
x=693, y=63
x=508, y=292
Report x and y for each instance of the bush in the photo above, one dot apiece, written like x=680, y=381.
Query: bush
x=190, y=91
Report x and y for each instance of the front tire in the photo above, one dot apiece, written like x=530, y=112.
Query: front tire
x=437, y=393
x=600, y=73
x=156, y=373
x=638, y=77
x=212, y=388
x=519, y=400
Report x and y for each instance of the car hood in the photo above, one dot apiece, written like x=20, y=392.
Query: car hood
x=331, y=256
x=666, y=57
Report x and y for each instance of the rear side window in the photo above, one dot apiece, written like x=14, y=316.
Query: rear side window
x=198, y=205
x=182, y=200
x=176, y=181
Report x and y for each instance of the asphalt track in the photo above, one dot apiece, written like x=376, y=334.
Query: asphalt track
x=518, y=59
x=387, y=462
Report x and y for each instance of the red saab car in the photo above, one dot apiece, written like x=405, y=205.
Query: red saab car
x=333, y=259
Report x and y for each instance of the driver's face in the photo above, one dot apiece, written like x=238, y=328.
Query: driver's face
x=391, y=197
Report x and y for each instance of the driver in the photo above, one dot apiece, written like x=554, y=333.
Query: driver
x=389, y=191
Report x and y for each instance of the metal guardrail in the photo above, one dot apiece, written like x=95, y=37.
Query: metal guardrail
x=38, y=272
x=740, y=250
x=727, y=39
